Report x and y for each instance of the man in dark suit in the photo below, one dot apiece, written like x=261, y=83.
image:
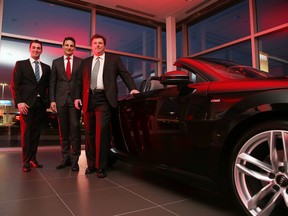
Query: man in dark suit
x=62, y=85
x=29, y=86
x=97, y=86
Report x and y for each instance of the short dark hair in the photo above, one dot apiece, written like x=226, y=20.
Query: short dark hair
x=69, y=38
x=98, y=36
x=36, y=41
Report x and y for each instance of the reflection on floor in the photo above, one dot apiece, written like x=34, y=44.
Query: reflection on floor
x=128, y=190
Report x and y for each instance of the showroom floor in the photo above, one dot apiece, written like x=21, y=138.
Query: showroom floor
x=127, y=190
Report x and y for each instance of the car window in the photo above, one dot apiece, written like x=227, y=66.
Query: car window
x=155, y=85
x=195, y=78
x=150, y=84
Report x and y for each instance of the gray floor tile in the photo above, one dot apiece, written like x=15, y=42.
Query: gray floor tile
x=128, y=190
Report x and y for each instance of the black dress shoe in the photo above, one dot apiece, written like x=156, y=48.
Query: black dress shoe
x=63, y=165
x=101, y=173
x=90, y=170
x=26, y=168
x=36, y=164
x=75, y=167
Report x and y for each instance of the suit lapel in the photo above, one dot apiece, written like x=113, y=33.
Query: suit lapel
x=31, y=73
x=106, y=62
x=62, y=66
x=90, y=67
x=44, y=71
x=74, y=67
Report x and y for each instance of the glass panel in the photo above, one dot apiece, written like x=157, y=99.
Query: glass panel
x=179, y=44
x=273, y=48
x=47, y=21
x=126, y=36
x=240, y=54
x=164, y=47
x=225, y=26
x=271, y=13
x=139, y=69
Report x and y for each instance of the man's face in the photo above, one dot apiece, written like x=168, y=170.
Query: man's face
x=68, y=47
x=98, y=46
x=35, y=50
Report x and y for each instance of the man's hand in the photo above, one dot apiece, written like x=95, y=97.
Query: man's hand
x=53, y=106
x=134, y=91
x=78, y=104
x=23, y=108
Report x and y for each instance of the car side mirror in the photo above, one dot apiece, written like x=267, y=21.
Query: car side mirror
x=174, y=78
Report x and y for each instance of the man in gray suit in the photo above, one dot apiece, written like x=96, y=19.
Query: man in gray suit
x=61, y=91
x=29, y=86
x=97, y=91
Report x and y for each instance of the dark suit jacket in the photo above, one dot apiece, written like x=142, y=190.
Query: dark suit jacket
x=24, y=85
x=60, y=86
x=113, y=67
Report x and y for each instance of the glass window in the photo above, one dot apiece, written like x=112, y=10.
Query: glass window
x=273, y=53
x=223, y=27
x=164, y=47
x=126, y=36
x=179, y=44
x=271, y=13
x=240, y=54
x=47, y=21
x=139, y=69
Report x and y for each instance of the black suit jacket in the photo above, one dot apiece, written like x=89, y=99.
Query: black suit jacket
x=24, y=85
x=60, y=86
x=113, y=67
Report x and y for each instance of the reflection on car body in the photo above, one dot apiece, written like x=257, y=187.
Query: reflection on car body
x=215, y=124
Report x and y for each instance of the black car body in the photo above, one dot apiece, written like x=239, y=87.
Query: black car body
x=215, y=124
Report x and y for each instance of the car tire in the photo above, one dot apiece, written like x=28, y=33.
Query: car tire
x=258, y=169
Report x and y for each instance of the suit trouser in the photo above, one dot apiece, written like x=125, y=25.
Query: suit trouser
x=69, y=131
x=31, y=125
x=97, y=130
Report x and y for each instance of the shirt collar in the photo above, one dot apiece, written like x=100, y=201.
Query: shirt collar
x=101, y=56
x=65, y=57
x=33, y=60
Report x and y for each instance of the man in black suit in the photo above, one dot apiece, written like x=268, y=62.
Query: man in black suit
x=29, y=86
x=97, y=86
x=62, y=85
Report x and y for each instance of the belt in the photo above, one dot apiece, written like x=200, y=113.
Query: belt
x=96, y=91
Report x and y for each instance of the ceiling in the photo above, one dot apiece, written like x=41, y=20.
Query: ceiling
x=157, y=10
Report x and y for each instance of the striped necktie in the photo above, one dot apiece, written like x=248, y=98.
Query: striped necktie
x=37, y=73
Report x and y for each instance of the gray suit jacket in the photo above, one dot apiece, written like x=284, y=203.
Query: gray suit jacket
x=60, y=86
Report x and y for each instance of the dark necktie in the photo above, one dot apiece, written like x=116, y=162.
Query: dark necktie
x=37, y=73
x=94, y=74
x=68, y=68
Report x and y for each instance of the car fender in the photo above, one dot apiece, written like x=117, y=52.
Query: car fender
x=258, y=103
x=245, y=113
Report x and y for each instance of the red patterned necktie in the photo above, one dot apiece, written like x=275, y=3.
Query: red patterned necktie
x=68, y=68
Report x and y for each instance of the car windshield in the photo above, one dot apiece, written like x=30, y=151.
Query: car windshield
x=233, y=71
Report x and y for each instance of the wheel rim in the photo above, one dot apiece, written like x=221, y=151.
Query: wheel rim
x=261, y=172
